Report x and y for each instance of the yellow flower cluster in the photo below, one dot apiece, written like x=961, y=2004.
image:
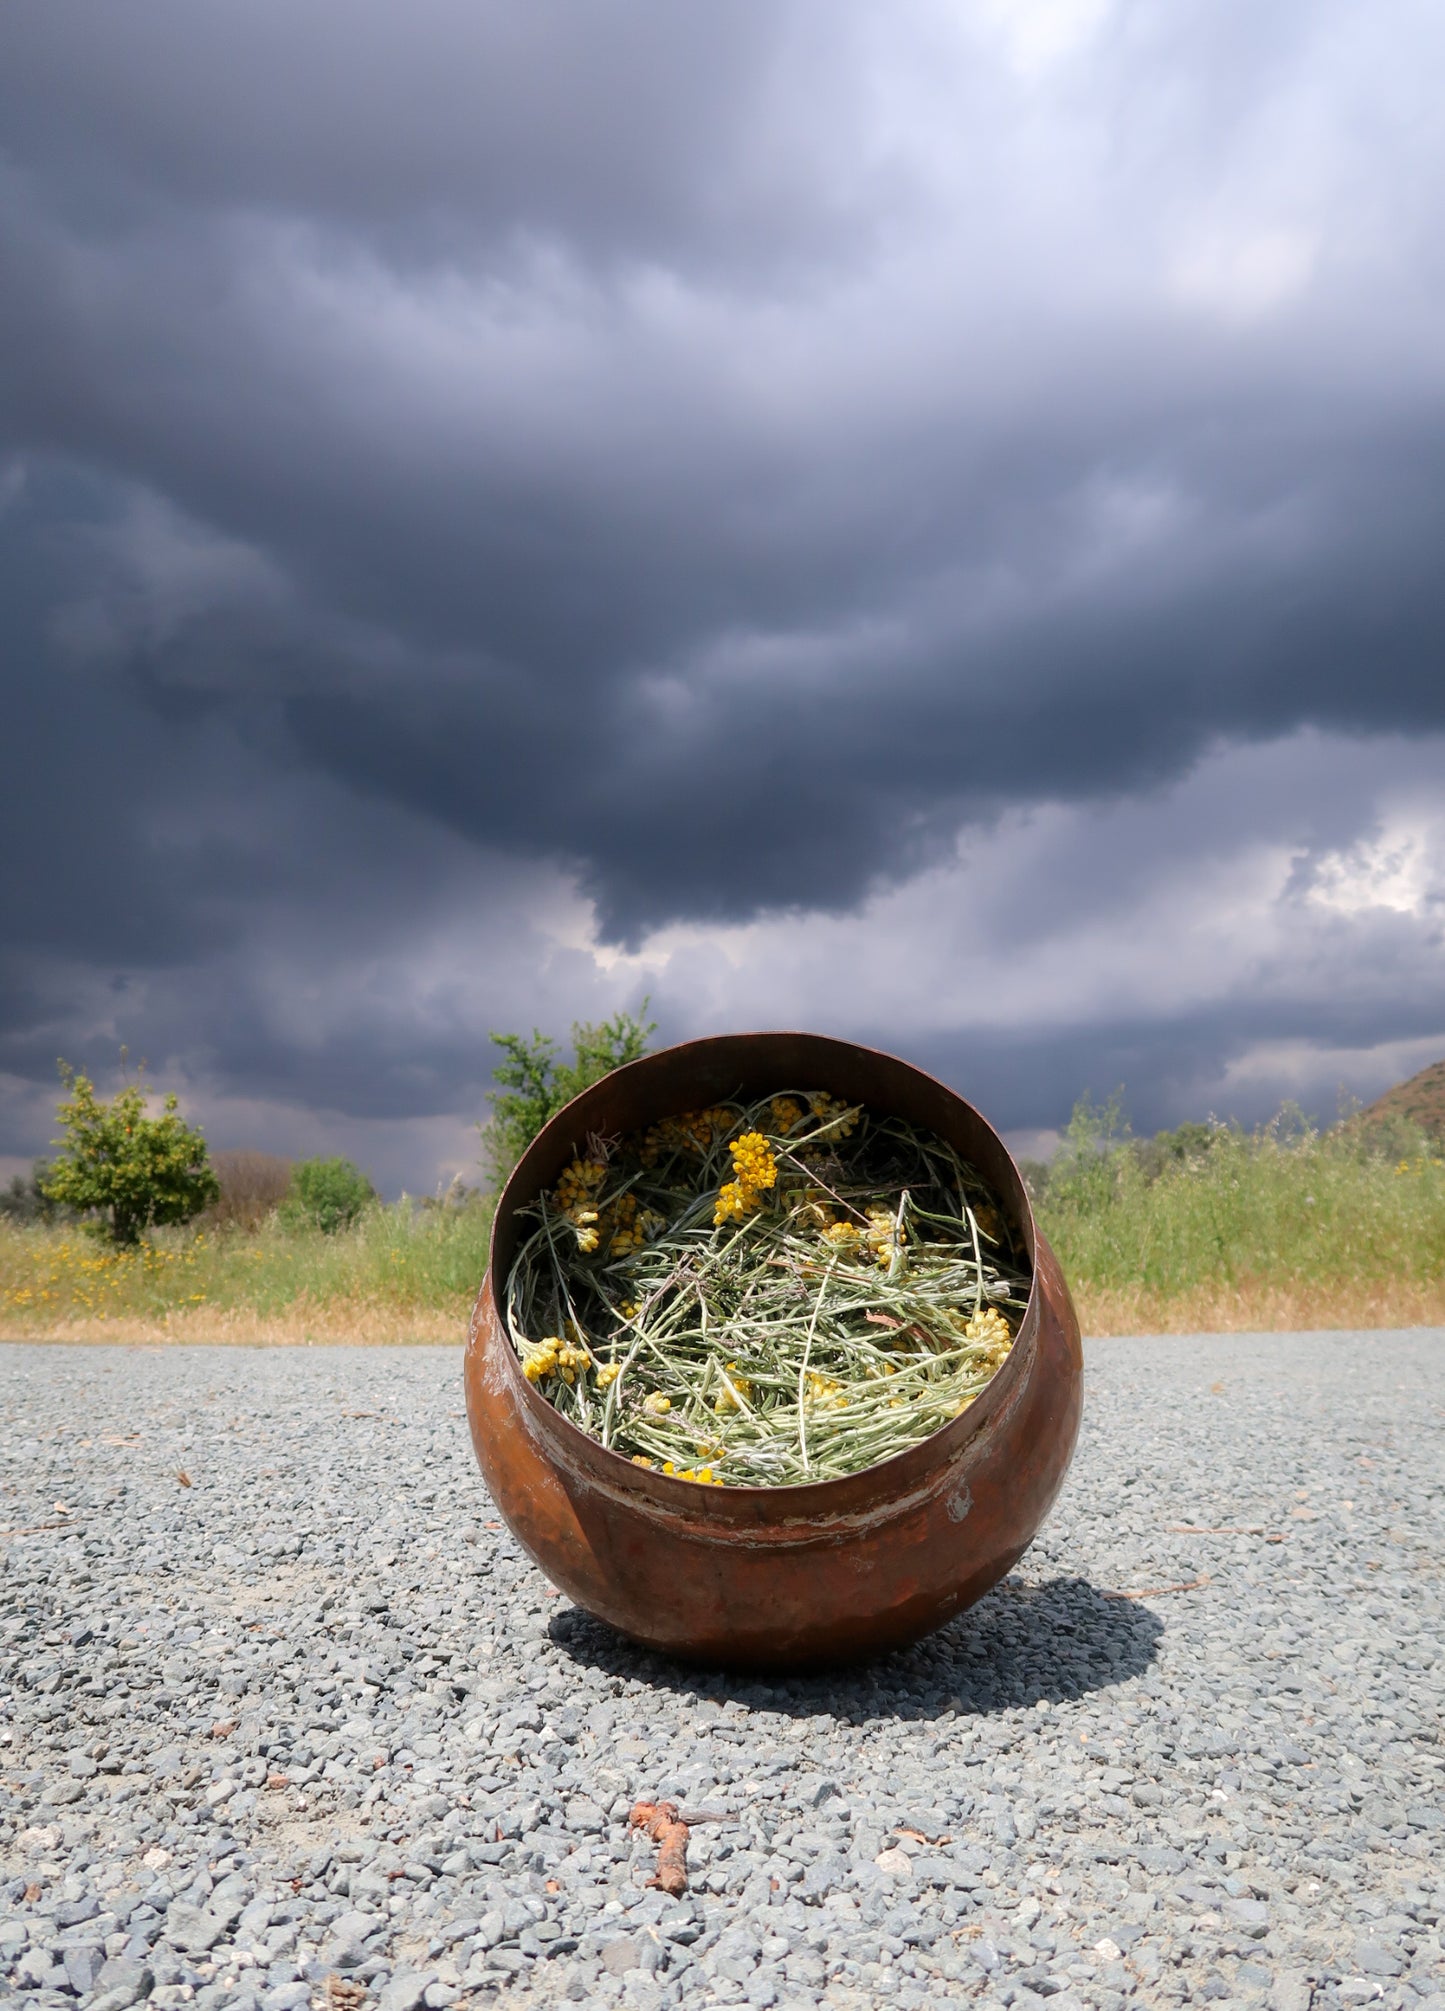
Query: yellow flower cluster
x=622, y=1225
x=703, y=1474
x=785, y=1112
x=578, y=1185
x=826, y=1108
x=621, y=1217
x=657, y=1405
x=824, y=1393
x=553, y=1357
x=694, y=1131
x=755, y=1168
x=990, y=1327
x=885, y=1235
x=575, y=1193
x=843, y=1235
x=736, y=1387
x=608, y=1374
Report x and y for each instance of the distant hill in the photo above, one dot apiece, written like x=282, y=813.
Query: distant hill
x=1420, y=1101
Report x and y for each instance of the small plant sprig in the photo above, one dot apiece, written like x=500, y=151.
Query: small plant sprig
x=766, y=1294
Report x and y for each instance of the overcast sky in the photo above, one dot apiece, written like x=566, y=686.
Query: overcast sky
x=919, y=520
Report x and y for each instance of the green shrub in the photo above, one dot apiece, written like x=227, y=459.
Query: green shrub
x=326, y=1194
x=138, y=1172
x=535, y=1084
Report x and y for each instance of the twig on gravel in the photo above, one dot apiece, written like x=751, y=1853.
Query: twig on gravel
x=1222, y=1529
x=1158, y=1591
x=668, y=1831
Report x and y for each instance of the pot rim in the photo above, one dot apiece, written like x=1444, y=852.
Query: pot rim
x=788, y=1503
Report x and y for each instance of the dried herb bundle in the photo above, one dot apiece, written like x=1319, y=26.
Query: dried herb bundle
x=766, y=1294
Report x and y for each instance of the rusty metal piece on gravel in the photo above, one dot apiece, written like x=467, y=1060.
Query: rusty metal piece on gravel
x=792, y=1577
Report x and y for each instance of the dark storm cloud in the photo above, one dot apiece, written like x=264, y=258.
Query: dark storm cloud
x=724, y=455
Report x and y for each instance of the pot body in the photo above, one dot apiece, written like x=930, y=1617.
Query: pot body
x=778, y=1577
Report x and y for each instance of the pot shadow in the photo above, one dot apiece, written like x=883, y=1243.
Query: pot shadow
x=1020, y=1645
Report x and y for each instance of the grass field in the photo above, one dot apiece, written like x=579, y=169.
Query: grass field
x=1249, y=1232
x=1257, y=1234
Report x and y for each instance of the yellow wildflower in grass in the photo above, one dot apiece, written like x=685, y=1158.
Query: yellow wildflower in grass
x=752, y=1157
x=695, y=1131
x=553, y=1357
x=988, y=1325
x=991, y=1329
x=785, y=1112
x=824, y=1392
x=835, y=1113
x=620, y=1220
x=539, y=1359
x=886, y=1236
x=842, y=1235
x=733, y=1203
x=573, y=1197
x=657, y=1405
x=608, y=1374
x=578, y=1184
x=641, y=1459
x=756, y=1170
x=736, y=1391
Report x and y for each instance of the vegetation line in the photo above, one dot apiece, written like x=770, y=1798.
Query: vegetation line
x=1206, y=1229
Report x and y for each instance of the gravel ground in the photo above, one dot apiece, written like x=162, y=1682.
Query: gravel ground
x=286, y=1718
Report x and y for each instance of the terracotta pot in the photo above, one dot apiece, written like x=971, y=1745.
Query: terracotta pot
x=778, y=1577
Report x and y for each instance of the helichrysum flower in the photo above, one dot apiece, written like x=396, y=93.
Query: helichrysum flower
x=833, y=1112
x=553, y=1357
x=755, y=1169
x=990, y=1327
x=657, y=1405
x=886, y=1236
x=540, y=1360
x=735, y=1391
x=753, y=1159
x=824, y=1393
x=695, y=1131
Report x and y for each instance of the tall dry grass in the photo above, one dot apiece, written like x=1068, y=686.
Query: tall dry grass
x=1283, y=1228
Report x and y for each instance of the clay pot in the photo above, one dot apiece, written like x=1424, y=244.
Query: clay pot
x=778, y=1577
